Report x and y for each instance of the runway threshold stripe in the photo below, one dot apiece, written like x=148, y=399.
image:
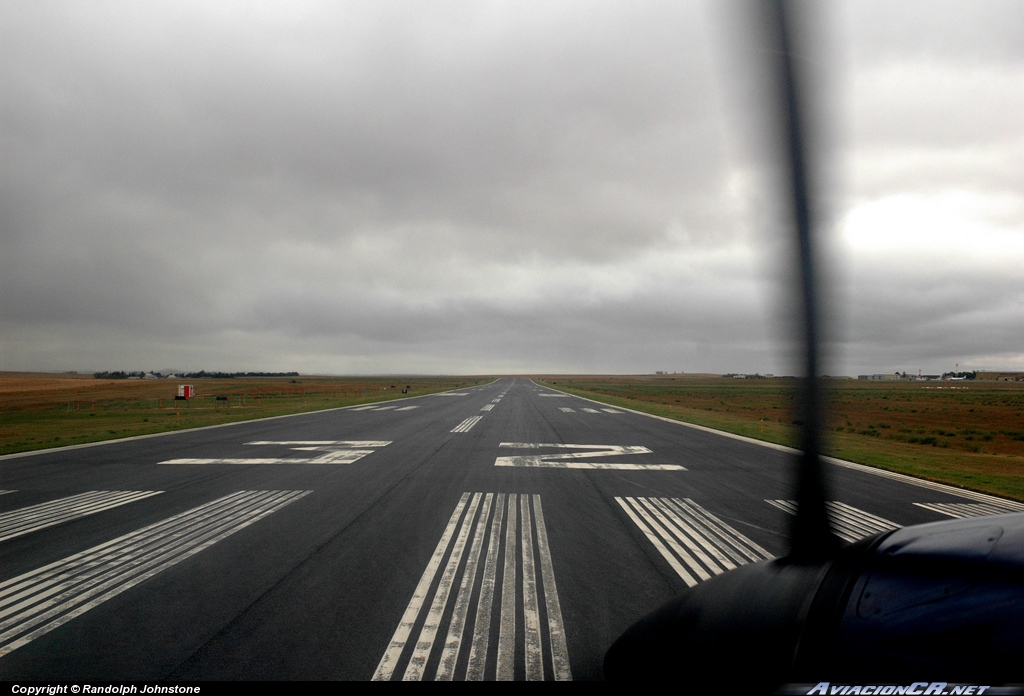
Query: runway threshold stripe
x=41, y=600
x=556, y=626
x=849, y=523
x=388, y=662
x=591, y=410
x=517, y=564
x=35, y=517
x=963, y=510
x=566, y=409
x=465, y=425
x=453, y=642
x=488, y=407
x=696, y=543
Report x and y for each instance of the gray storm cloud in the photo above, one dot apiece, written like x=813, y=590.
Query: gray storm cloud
x=488, y=187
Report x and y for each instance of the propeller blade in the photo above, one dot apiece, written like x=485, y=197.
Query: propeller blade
x=811, y=536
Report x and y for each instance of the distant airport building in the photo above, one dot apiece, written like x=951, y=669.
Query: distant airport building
x=880, y=377
x=1000, y=376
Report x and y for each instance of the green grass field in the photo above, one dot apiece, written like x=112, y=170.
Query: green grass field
x=970, y=436
x=41, y=410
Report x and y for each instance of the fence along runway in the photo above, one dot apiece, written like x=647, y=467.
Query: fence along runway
x=490, y=585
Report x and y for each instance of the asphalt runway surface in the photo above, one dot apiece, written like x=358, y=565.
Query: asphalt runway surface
x=506, y=531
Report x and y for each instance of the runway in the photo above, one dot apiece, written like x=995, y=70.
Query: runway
x=506, y=531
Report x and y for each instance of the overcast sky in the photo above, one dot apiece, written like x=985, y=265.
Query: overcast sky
x=477, y=187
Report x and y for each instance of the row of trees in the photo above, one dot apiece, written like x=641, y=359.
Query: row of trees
x=202, y=374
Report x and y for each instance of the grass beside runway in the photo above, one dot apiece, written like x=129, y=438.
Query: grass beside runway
x=971, y=436
x=40, y=410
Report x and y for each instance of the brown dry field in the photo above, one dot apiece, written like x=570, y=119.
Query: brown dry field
x=39, y=410
x=968, y=433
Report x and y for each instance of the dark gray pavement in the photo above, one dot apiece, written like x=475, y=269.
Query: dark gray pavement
x=369, y=543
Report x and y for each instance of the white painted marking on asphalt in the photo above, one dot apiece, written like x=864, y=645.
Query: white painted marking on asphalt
x=568, y=460
x=517, y=523
x=6, y=492
x=656, y=541
x=494, y=401
x=383, y=408
x=41, y=600
x=964, y=510
x=610, y=410
x=591, y=410
x=388, y=662
x=340, y=443
x=452, y=394
x=482, y=626
x=556, y=627
x=505, y=669
x=406, y=408
x=35, y=517
x=849, y=523
x=457, y=626
x=556, y=395
x=334, y=452
x=465, y=425
x=566, y=409
x=488, y=407
x=692, y=540
x=418, y=661
x=363, y=408
x=534, y=652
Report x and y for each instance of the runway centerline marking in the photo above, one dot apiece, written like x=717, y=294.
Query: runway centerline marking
x=41, y=600
x=465, y=425
x=696, y=543
x=570, y=460
x=334, y=452
x=491, y=590
x=849, y=523
x=35, y=517
x=488, y=407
